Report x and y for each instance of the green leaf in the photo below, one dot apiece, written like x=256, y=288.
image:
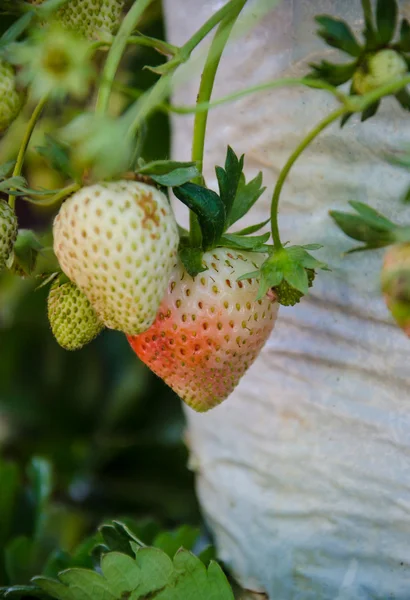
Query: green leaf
x=17, y=29
x=19, y=557
x=386, y=20
x=23, y=592
x=41, y=484
x=6, y=168
x=403, y=97
x=252, y=228
x=334, y=74
x=345, y=119
x=9, y=486
x=338, y=34
x=404, y=43
x=362, y=229
x=171, y=541
x=177, y=177
x=237, y=242
x=170, y=173
x=26, y=250
x=150, y=574
x=246, y=196
x=208, y=207
x=370, y=111
x=372, y=216
x=57, y=154
x=228, y=180
x=192, y=260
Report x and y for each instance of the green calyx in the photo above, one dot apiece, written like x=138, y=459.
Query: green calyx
x=287, y=295
x=288, y=273
x=375, y=62
x=216, y=212
x=73, y=320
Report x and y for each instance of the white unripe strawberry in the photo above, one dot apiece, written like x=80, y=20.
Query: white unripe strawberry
x=117, y=242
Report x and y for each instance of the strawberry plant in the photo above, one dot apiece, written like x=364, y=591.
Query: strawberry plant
x=196, y=305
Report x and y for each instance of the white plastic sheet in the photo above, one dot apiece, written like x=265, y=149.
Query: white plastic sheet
x=304, y=473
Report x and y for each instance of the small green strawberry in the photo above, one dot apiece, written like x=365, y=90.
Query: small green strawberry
x=209, y=329
x=395, y=282
x=379, y=69
x=92, y=18
x=72, y=318
x=118, y=242
x=8, y=232
x=10, y=98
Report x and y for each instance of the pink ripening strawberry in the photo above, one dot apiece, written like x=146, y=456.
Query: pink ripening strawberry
x=209, y=329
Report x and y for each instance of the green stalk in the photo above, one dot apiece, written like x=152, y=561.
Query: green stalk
x=204, y=95
x=157, y=94
x=289, y=164
x=25, y=142
x=225, y=11
x=116, y=51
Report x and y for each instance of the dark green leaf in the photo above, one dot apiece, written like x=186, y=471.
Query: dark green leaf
x=41, y=483
x=370, y=111
x=19, y=556
x=246, y=196
x=345, y=119
x=192, y=260
x=16, y=29
x=403, y=98
x=404, y=43
x=228, y=180
x=9, y=486
x=209, y=209
x=252, y=228
x=406, y=198
x=338, y=34
x=237, y=242
x=334, y=74
x=386, y=20
x=25, y=592
x=115, y=541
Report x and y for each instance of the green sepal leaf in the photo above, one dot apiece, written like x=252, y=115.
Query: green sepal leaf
x=253, y=228
x=191, y=258
x=17, y=29
x=254, y=243
x=370, y=111
x=386, y=20
x=170, y=173
x=404, y=42
x=403, y=97
x=25, y=253
x=57, y=154
x=6, y=169
x=246, y=196
x=368, y=226
x=332, y=73
x=208, y=207
x=228, y=180
x=338, y=34
x=345, y=119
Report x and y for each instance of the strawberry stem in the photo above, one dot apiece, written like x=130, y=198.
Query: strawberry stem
x=204, y=95
x=25, y=142
x=289, y=164
x=115, y=54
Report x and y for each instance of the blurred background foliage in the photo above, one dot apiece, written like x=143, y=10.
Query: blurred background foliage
x=112, y=431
